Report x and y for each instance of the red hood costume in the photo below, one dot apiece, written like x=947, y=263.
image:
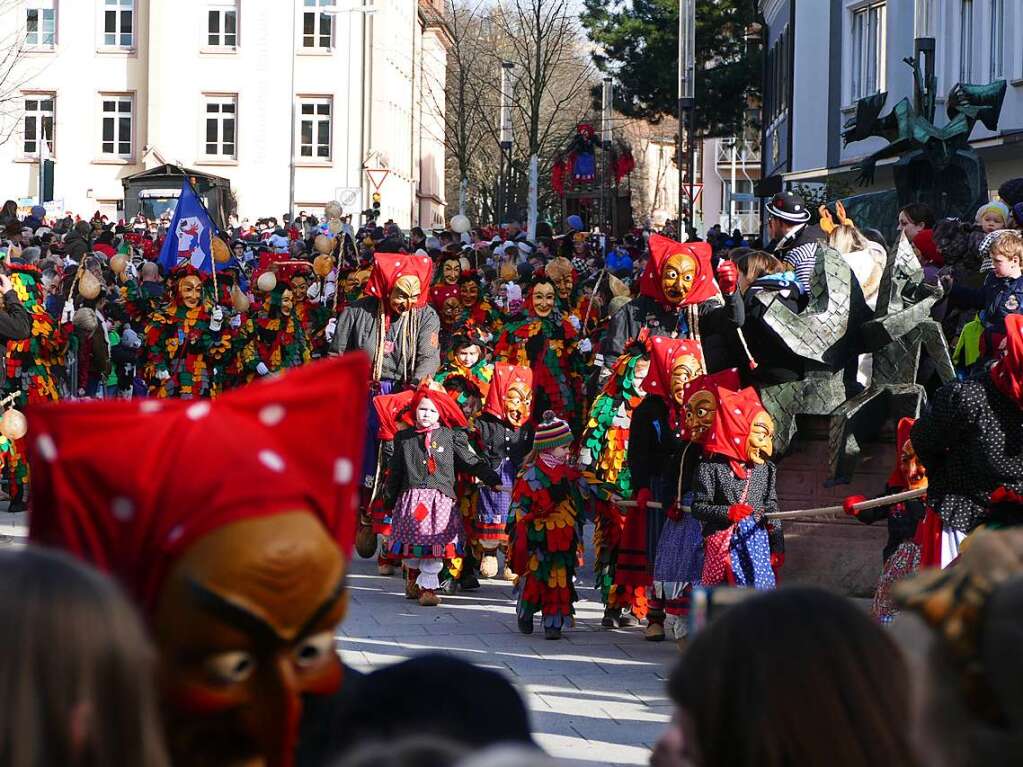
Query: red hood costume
x=392, y=411
x=665, y=353
x=504, y=376
x=232, y=531
x=725, y=379
x=733, y=422
x=662, y=249
x=451, y=416
x=388, y=268
x=198, y=466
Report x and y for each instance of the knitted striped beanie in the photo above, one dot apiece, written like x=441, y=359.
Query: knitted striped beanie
x=551, y=433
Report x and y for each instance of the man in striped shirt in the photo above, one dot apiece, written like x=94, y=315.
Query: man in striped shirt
x=795, y=239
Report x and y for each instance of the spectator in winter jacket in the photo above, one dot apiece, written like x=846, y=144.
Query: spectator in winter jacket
x=77, y=244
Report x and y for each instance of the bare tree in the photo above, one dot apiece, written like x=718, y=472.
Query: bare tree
x=14, y=74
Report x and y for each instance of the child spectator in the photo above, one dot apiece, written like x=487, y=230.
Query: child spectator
x=992, y=216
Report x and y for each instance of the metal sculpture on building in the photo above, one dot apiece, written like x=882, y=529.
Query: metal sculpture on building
x=935, y=165
x=833, y=331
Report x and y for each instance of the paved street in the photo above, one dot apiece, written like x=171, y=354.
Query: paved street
x=596, y=695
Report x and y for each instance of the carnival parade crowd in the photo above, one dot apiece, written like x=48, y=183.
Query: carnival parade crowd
x=458, y=405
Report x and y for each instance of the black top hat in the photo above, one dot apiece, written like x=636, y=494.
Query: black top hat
x=789, y=207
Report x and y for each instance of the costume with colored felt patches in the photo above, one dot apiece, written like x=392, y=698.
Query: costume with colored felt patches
x=281, y=342
x=700, y=314
x=260, y=478
x=180, y=349
x=420, y=485
x=603, y=451
x=730, y=491
x=548, y=345
x=32, y=369
x=544, y=524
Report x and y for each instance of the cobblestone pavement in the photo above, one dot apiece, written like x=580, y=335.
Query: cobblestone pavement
x=596, y=696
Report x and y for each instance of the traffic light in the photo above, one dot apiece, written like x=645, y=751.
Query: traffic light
x=376, y=201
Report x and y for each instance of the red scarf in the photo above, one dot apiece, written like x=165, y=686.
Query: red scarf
x=664, y=353
x=504, y=376
x=724, y=379
x=389, y=267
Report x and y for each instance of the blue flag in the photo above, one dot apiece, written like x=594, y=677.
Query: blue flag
x=188, y=238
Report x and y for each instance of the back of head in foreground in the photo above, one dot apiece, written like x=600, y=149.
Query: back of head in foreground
x=76, y=669
x=792, y=677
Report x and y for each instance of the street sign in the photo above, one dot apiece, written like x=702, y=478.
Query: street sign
x=350, y=198
x=377, y=176
x=744, y=197
x=697, y=191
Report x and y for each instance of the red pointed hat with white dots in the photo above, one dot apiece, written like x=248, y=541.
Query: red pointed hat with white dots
x=130, y=485
x=733, y=421
x=388, y=268
x=663, y=248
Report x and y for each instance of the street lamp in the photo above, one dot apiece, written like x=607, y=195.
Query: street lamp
x=505, y=121
x=363, y=9
x=686, y=104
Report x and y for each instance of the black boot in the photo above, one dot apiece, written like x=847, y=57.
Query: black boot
x=611, y=614
x=526, y=624
x=552, y=633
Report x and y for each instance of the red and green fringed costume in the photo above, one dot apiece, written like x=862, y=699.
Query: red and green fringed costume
x=544, y=522
x=548, y=347
x=279, y=341
x=239, y=364
x=180, y=350
x=312, y=317
x=604, y=448
x=32, y=367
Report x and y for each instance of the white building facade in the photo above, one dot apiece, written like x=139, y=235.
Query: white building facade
x=119, y=86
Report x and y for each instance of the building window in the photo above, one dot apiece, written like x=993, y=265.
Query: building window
x=966, y=41
x=118, y=114
x=997, y=58
x=222, y=25
x=868, y=50
x=315, y=129
x=221, y=127
x=38, y=123
x=40, y=23
x=119, y=23
x=318, y=25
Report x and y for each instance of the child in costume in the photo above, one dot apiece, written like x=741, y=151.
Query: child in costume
x=448, y=305
x=468, y=359
x=654, y=453
x=547, y=503
x=911, y=545
x=506, y=438
x=735, y=486
x=427, y=526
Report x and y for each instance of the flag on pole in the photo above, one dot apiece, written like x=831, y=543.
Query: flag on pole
x=188, y=237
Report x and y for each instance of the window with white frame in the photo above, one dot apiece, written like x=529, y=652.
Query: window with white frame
x=868, y=50
x=37, y=124
x=966, y=41
x=314, y=128
x=40, y=23
x=318, y=24
x=996, y=57
x=222, y=25
x=119, y=23
x=220, y=136
x=117, y=138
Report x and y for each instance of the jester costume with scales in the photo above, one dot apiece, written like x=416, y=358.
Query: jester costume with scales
x=182, y=341
x=278, y=341
x=547, y=503
x=545, y=342
x=603, y=451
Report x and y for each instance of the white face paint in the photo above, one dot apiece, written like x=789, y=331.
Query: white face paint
x=426, y=414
